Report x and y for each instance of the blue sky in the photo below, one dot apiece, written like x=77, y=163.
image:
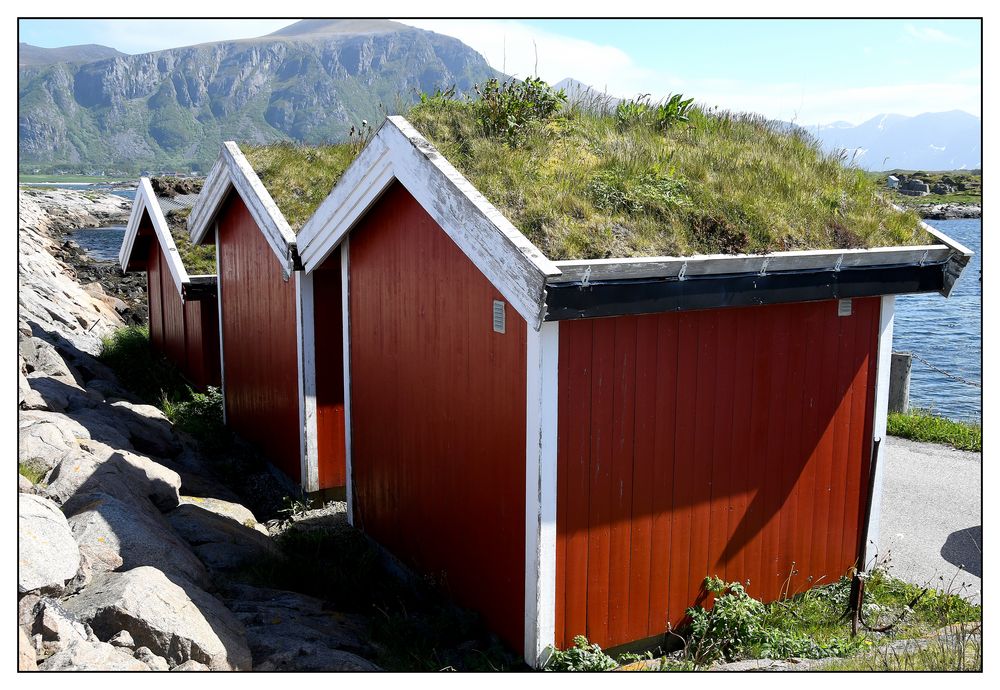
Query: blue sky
x=810, y=71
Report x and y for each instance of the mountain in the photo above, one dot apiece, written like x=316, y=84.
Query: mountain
x=578, y=92
x=171, y=109
x=931, y=141
x=28, y=54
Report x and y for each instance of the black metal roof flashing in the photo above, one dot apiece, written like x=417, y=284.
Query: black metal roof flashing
x=588, y=298
x=200, y=288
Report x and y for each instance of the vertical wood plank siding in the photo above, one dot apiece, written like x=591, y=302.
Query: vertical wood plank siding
x=201, y=326
x=329, y=334
x=438, y=412
x=260, y=349
x=731, y=442
x=187, y=333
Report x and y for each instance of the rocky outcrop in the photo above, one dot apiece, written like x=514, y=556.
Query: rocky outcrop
x=949, y=211
x=173, y=618
x=121, y=524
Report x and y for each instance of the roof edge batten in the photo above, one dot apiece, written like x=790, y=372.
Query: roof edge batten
x=145, y=202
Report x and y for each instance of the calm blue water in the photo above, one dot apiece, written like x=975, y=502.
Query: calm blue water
x=947, y=333
x=100, y=243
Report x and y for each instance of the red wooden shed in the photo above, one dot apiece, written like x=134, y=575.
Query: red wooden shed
x=267, y=400
x=572, y=447
x=183, y=318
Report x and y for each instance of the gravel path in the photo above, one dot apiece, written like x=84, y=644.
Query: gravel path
x=932, y=515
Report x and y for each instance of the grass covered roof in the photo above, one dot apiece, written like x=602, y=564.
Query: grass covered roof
x=640, y=179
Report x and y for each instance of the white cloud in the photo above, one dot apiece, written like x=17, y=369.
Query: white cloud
x=929, y=34
x=511, y=46
x=605, y=67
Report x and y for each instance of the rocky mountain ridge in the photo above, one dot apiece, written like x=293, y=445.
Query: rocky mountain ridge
x=171, y=109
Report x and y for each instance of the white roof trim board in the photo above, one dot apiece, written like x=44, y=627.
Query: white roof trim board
x=233, y=171
x=146, y=202
x=515, y=266
x=398, y=152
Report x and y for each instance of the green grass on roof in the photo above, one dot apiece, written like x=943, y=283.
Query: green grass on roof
x=298, y=177
x=581, y=183
x=581, y=186
x=199, y=260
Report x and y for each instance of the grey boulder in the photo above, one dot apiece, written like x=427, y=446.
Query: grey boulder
x=221, y=542
x=47, y=554
x=176, y=621
x=101, y=523
x=118, y=473
x=45, y=438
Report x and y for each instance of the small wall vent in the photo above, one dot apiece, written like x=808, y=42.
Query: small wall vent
x=499, y=317
x=844, y=307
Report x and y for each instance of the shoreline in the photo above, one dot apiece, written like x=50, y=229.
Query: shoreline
x=947, y=211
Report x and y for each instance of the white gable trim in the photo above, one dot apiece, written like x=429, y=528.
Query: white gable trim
x=145, y=202
x=398, y=152
x=233, y=171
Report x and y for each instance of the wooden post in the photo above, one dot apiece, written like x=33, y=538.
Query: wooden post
x=899, y=382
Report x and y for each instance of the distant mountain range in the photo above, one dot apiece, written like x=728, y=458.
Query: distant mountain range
x=930, y=141
x=91, y=108
x=29, y=55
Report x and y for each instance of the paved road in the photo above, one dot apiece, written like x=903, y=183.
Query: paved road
x=932, y=515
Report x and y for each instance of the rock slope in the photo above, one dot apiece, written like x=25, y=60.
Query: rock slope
x=123, y=530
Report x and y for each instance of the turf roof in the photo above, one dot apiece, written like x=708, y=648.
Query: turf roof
x=580, y=185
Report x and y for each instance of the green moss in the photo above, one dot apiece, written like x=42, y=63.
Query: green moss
x=921, y=425
x=33, y=470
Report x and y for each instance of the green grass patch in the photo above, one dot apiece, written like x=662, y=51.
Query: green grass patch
x=808, y=624
x=588, y=182
x=962, y=652
x=157, y=381
x=922, y=425
x=642, y=179
x=299, y=177
x=199, y=259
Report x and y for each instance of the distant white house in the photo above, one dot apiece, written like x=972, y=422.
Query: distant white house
x=892, y=182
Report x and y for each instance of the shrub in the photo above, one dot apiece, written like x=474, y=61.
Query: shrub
x=506, y=110
x=582, y=656
x=662, y=116
x=200, y=414
x=739, y=626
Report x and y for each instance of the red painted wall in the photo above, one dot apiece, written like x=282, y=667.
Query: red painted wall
x=329, y=334
x=437, y=412
x=201, y=330
x=730, y=442
x=260, y=355
x=187, y=333
x=154, y=293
